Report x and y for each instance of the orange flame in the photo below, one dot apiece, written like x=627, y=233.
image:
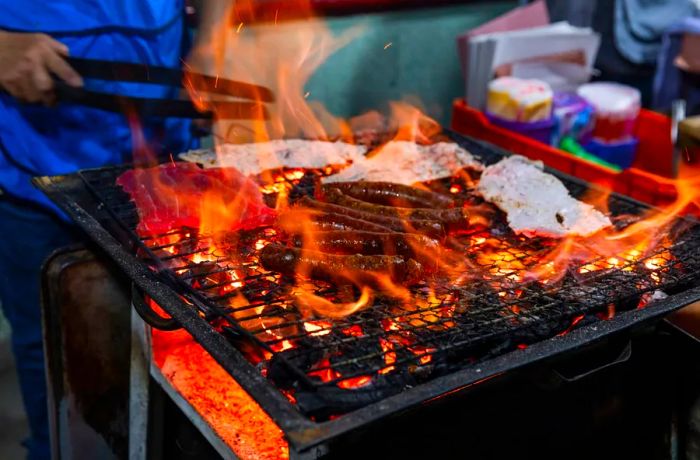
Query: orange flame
x=613, y=249
x=306, y=301
x=281, y=55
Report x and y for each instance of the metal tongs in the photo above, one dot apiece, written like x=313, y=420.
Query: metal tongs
x=249, y=107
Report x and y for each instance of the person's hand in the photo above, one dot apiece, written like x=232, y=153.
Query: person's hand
x=27, y=63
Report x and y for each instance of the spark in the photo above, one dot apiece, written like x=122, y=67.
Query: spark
x=240, y=26
x=307, y=94
x=388, y=45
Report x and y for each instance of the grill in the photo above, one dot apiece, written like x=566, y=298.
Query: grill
x=306, y=372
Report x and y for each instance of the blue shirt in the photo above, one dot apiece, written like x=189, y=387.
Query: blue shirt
x=35, y=140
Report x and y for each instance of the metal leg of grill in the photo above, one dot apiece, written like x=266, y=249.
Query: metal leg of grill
x=138, y=392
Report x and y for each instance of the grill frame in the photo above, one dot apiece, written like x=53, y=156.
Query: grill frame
x=70, y=194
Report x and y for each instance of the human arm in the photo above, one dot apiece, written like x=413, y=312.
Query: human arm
x=27, y=63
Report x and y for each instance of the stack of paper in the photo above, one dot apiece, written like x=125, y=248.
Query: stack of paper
x=522, y=44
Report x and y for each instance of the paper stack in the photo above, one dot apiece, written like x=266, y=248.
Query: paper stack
x=523, y=44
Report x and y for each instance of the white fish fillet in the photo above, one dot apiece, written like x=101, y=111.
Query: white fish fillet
x=406, y=162
x=537, y=203
x=255, y=158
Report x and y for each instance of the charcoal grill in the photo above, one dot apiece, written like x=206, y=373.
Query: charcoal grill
x=450, y=348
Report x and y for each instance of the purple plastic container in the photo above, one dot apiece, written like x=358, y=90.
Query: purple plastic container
x=574, y=117
x=538, y=130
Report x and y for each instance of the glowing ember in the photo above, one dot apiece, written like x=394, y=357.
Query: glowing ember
x=354, y=330
x=389, y=356
x=217, y=397
x=655, y=263
x=283, y=345
x=575, y=321
x=318, y=328
x=356, y=382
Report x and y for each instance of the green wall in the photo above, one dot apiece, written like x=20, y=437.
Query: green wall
x=421, y=61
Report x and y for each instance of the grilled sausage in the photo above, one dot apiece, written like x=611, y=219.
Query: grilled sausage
x=356, y=269
x=419, y=247
x=325, y=222
x=455, y=218
x=428, y=227
x=390, y=194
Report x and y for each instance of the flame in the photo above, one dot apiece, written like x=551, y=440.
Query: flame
x=640, y=243
x=281, y=55
x=248, y=317
x=306, y=300
x=411, y=123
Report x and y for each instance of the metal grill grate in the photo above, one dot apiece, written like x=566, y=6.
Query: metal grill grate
x=391, y=345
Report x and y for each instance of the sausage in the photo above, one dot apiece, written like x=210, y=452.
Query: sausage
x=303, y=219
x=390, y=194
x=423, y=249
x=356, y=269
x=323, y=222
x=454, y=218
x=428, y=227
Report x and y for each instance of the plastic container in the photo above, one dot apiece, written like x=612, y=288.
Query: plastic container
x=620, y=153
x=643, y=181
x=616, y=109
x=516, y=99
x=574, y=117
x=539, y=130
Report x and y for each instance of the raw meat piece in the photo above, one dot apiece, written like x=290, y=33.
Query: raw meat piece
x=537, y=203
x=251, y=159
x=176, y=195
x=405, y=162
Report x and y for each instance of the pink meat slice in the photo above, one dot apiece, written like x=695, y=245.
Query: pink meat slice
x=172, y=195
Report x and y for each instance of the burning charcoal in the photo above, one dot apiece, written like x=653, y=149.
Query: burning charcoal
x=327, y=401
x=302, y=358
x=250, y=350
x=343, y=359
x=206, y=274
x=240, y=246
x=230, y=241
x=279, y=322
x=262, y=289
x=305, y=187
